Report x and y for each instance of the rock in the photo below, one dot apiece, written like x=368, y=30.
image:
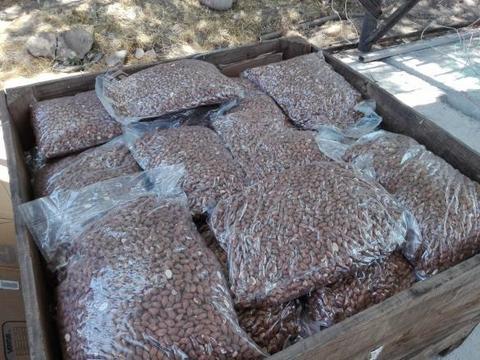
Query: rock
x=74, y=43
x=139, y=53
x=117, y=58
x=218, y=4
x=67, y=68
x=151, y=54
x=42, y=45
x=94, y=57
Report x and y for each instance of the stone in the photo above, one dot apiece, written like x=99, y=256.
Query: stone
x=75, y=43
x=139, y=53
x=117, y=58
x=151, y=54
x=221, y=5
x=42, y=45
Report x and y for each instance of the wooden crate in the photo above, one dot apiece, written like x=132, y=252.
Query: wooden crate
x=428, y=318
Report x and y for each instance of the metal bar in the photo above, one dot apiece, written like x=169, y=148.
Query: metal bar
x=417, y=45
x=373, y=7
x=369, y=25
x=391, y=21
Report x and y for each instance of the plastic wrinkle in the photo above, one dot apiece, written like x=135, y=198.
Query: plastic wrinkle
x=277, y=253
x=54, y=221
x=140, y=281
x=312, y=94
x=164, y=89
x=445, y=203
x=261, y=139
x=93, y=165
x=145, y=284
x=272, y=328
x=69, y=124
x=381, y=280
x=211, y=172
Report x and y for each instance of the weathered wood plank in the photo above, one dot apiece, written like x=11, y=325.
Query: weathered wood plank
x=448, y=344
x=84, y=82
x=15, y=117
x=226, y=56
x=234, y=70
x=33, y=282
x=294, y=46
x=403, y=119
x=404, y=325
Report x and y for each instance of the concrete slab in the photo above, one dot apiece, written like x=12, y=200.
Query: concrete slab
x=441, y=82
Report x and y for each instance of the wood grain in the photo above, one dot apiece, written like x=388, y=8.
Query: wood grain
x=404, y=326
x=33, y=282
x=15, y=105
x=234, y=70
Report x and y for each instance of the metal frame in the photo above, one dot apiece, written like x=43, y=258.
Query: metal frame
x=371, y=32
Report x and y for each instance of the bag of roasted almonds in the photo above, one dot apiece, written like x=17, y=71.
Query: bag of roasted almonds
x=313, y=95
x=306, y=227
x=69, y=124
x=164, y=89
x=76, y=171
x=211, y=172
x=331, y=304
x=139, y=280
x=445, y=203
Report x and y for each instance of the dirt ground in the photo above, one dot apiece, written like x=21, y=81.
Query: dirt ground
x=178, y=27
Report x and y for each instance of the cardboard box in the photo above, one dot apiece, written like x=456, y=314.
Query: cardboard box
x=13, y=328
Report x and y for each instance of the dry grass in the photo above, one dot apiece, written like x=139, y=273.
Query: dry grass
x=179, y=27
x=171, y=27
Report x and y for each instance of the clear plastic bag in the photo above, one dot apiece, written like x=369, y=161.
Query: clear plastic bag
x=93, y=165
x=163, y=89
x=69, y=124
x=261, y=139
x=54, y=221
x=272, y=328
x=304, y=228
x=329, y=305
x=141, y=282
x=445, y=203
x=313, y=95
x=211, y=172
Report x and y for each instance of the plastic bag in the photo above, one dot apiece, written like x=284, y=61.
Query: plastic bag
x=211, y=172
x=312, y=94
x=272, y=328
x=76, y=171
x=445, y=203
x=54, y=221
x=142, y=283
x=261, y=139
x=163, y=89
x=70, y=124
x=329, y=305
x=304, y=228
